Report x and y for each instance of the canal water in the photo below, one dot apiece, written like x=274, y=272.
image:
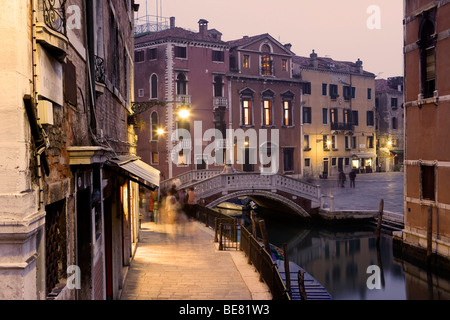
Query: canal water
x=347, y=262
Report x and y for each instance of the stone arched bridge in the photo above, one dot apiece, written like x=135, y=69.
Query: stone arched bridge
x=215, y=187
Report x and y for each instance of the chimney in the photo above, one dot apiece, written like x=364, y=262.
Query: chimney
x=288, y=46
x=359, y=66
x=314, y=61
x=172, y=22
x=203, y=27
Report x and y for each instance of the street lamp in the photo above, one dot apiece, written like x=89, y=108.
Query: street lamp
x=183, y=113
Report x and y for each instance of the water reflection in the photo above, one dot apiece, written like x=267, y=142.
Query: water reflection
x=339, y=257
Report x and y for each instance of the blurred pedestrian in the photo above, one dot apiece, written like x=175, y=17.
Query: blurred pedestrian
x=341, y=178
x=191, y=203
x=352, y=176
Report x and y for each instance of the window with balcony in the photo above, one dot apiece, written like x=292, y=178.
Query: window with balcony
x=218, y=86
x=181, y=84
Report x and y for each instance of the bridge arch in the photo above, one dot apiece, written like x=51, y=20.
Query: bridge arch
x=266, y=194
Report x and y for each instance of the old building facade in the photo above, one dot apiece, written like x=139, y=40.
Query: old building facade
x=427, y=92
x=69, y=199
x=389, y=123
x=317, y=115
x=338, y=116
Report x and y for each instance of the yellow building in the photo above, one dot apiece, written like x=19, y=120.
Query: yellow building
x=338, y=116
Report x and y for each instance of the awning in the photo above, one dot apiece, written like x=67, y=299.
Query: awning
x=137, y=170
x=364, y=155
x=397, y=151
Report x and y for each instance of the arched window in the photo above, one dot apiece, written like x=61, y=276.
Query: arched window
x=181, y=84
x=154, y=125
x=427, y=45
x=154, y=87
x=266, y=61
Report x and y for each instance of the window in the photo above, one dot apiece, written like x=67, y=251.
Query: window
x=155, y=157
x=218, y=86
x=152, y=54
x=246, y=112
x=287, y=113
x=369, y=93
x=266, y=62
x=154, y=125
x=283, y=65
x=180, y=52
x=307, y=162
x=347, y=116
x=333, y=162
x=349, y=92
x=370, y=142
x=394, y=123
x=333, y=116
x=181, y=84
x=347, y=161
x=306, y=88
x=307, y=115
x=427, y=47
x=324, y=116
x=353, y=142
x=139, y=56
x=218, y=56
x=324, y=89
x=427, y=182
x=346, y=143
x=333, y=143
x=246, y=61
x=267, y=112
x=288, y=159
x=355, y=117
x=325, y=142
x=154, y=86
x=394, y=103
x=306, y=145
x=140, y=93
x=370, y=119
x=333, y=91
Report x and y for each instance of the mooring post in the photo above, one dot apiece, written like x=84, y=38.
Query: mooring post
x=253, y=217
x=301, y=284
x=429, y=234
x=380, y=218
x=287, y=270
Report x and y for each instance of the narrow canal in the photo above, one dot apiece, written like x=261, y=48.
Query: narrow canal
x=339, y=258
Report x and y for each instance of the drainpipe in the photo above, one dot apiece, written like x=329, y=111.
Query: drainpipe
x=301, y=135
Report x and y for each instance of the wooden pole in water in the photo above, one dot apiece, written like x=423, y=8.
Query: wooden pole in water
x=252, y=217
x=262, y=227
x=380, y=218
x=287, y=270
x=301, y=284
x=429, y=234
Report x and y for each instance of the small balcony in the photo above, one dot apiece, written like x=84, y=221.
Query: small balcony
x=51, y=30
x=342, y=126
x=220, y=102
x=184, y=99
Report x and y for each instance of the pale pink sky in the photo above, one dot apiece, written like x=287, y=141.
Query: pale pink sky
x=334, y=28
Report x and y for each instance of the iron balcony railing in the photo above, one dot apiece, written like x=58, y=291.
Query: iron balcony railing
x=99, y=69
x=54, y=12
x=342, y=126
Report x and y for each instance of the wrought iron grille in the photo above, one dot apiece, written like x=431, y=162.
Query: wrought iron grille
x=55, y=15
x=99, y=69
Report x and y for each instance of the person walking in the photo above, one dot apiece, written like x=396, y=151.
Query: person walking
x=352, y=176
x=192, y=202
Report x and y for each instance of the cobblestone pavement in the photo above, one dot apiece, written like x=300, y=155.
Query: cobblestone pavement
x=369, y=189
x=183, y=263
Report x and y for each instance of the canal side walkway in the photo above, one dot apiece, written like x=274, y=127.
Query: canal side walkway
x=369, y=189
x=184, y=263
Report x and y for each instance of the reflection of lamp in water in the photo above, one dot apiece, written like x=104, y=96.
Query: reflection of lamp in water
x=389, y=143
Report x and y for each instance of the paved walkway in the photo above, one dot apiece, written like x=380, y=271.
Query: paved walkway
x=184, y=264
x=370, y=189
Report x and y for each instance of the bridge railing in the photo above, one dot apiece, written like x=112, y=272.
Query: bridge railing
x=242, y=181
x=189, y=177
